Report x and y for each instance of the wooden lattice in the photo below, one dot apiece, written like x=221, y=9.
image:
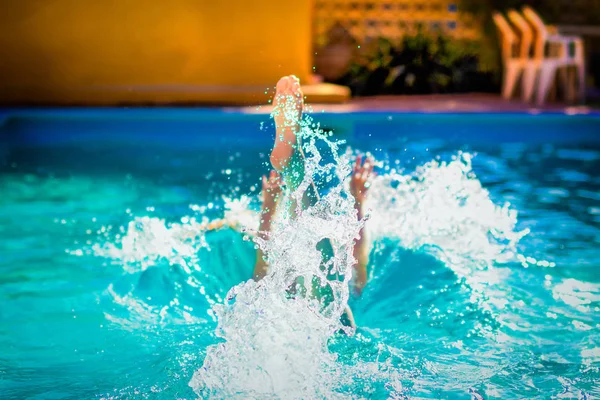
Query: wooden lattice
x=368, y=19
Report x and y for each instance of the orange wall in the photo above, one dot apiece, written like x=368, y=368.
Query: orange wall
x=108, y=51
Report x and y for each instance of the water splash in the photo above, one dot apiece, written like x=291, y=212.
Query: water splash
x=276, y=331
x=275, y=335
x=442, y=208
x=146, y=240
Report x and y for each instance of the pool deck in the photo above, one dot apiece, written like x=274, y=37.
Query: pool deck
x=452, y=103
x=473, y=103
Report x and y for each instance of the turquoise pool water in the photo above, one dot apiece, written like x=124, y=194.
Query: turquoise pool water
x=484, y=267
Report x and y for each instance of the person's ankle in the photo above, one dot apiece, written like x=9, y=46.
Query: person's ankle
x=359, y=208
x=265, y=225
x=267, y=216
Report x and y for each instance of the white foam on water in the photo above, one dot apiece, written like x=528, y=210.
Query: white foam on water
x=443, y=207
x=144, y=243
x=277, y=346
x=149, y=239
x=579, y=295
x=275, y=342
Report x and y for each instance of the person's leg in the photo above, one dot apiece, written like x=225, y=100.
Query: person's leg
x=287, y=113
x=359, y=188
x=271, y=192
x=286, y=157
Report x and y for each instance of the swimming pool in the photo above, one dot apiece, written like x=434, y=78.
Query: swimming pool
x=484, y=268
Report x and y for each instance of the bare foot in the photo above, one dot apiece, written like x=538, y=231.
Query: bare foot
x=271, y=192
x=287, y=113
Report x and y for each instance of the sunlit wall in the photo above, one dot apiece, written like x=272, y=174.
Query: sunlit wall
x=119, y=51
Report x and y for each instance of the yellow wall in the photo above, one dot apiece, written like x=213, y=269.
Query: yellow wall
x=114, y=51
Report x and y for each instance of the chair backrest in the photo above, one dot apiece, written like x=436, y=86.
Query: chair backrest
x=540, y=28
x=525, y=30
x=508, y=35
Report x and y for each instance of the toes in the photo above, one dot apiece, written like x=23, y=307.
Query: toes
x=288, y=86
x=294, y=83
x=365, y=174
x=274, y=177
x=369, y=165
x=282, y=89
x=357, y=163
x=282, y=84
x=368, y=168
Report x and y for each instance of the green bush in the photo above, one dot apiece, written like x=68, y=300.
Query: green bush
x=419, y=64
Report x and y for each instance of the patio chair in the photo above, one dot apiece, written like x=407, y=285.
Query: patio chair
x=557, y=58
x=529, y=64
x=512, y=57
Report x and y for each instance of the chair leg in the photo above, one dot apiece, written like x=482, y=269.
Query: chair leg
x=580, y=65
x=573, y=90
x=510, y=79
x=581, y=81
x=554, y=88
x=529, y=77
x=547, y=74
x=564, y=82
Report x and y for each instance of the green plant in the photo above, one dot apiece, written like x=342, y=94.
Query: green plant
x=418, y=64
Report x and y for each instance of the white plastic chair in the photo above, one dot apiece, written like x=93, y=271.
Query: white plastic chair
x=548, y=65
x=529, y=64
x=512, y=57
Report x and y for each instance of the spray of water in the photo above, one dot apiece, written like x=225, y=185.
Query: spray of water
x=443, y=207
x=275, y=332
x=275, y=336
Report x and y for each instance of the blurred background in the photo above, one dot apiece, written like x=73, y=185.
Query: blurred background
x=112, y=52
